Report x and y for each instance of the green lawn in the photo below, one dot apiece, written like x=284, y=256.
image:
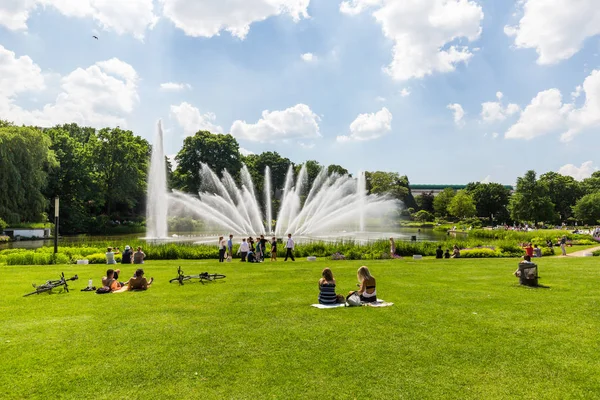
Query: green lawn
x=459, y=329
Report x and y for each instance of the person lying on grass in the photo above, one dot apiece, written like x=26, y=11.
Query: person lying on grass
x=327, y=289
x=138, y=282
x=367, y=290
x=111, y=279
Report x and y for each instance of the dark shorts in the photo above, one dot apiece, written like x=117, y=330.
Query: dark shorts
x=368, y=299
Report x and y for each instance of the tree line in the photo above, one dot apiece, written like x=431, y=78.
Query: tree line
x=100, y=176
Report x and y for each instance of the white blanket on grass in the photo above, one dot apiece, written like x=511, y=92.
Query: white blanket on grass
x=378, y=303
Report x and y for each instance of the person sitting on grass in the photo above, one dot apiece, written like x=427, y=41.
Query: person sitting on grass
x=367, y=290
x=327, y=288
x=447, y=253
x=110, y=255
x=439, y=253
x=139, y=282
x=537, y=252
x=111, y=280
x=127, y=255
x=456, y=252
x=138, y=256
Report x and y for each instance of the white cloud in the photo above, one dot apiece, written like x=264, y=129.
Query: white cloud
x=369, y=126
x=192, y=121
x=207, y=18
x=459, y=113
x=99, y=96
x=306, y=145
x=547, y=114
x=557, y=29
x=380, y=99
x=131, y=16
x=579, y=173
x=308, y=57
x=404, y=92
x=424, y=32
x=297, y=122
x=245, y=152
x=493, y=111
x=174, y=87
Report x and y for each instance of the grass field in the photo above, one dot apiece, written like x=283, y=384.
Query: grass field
x=459, y=329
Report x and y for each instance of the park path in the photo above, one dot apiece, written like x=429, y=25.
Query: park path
x=581, y=253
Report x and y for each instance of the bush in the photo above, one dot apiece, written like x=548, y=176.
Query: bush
x=480, y=253
x=596, y=253
x=424, y=216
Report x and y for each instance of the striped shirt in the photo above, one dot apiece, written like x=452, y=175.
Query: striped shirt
x=327, y=293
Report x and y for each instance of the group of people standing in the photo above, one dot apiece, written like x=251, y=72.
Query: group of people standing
x=251, y=250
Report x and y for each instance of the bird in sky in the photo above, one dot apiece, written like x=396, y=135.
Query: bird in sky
x=95, y=37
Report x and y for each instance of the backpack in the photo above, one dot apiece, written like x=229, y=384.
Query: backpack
x=353, y=300
x=103, y=290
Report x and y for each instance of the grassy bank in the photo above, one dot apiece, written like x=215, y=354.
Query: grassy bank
x=459, y=329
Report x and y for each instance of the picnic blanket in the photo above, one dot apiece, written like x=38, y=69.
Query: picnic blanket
x=378, y=303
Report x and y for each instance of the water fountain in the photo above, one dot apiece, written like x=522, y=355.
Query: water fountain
x=333, y=206
x=157, y=203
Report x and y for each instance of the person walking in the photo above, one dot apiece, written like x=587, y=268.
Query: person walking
x=243, y=250
x=289, y=248
x=230, y=247
x=563, y=245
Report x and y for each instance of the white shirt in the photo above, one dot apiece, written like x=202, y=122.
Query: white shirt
x=244, y=247
x=290, y=244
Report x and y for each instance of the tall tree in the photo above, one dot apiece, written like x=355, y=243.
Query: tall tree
x=491, y=200
x=312, y=169
x=25, y=158
x=592, y=184
x=564, y=191
x=587, y=209
x=531, y=201
x=462, y=205
x=337, y=169
x=442, y=201
x=390, y=183
x=121, y=169
x=425, y=202
x=218, y=151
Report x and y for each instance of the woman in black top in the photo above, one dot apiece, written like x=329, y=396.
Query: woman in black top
x=273, y=249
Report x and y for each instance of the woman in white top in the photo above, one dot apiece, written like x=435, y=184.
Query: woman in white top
x=222, y=248
x=243, y=250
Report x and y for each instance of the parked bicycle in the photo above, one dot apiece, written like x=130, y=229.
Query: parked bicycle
x=49, y=285
x=202, y=277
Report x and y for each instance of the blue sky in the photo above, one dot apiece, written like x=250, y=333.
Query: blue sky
x=344, y=106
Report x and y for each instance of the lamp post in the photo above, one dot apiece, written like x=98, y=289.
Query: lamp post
x=55, y=225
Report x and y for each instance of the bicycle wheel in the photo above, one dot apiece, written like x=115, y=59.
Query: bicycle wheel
x=213, y=277
x=38, y=291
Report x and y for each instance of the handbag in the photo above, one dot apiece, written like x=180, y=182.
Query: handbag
x=353, y=300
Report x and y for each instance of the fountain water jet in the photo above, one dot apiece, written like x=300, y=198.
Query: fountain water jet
x=157, y=202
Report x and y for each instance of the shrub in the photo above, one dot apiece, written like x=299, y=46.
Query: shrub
x=424, y=216
x=596, y=253
x=480, y=253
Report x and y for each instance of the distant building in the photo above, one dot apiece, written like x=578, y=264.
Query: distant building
x=436, y=189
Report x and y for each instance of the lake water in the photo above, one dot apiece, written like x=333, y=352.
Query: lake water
x=422, y=234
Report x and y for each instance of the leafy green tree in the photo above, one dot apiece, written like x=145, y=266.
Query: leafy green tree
x=278, y=165
x=218, y=151
x=491, y=200
x=312, y=170
x=564, y=191
x=121, y=169
x=337, y=169
x=592, y=184
x=390, y=183
x=531, y=200
x=587, y=209
x=25, y=158
x=72, y=179
x=442, y=201
x=462, y=205
x=425, y=202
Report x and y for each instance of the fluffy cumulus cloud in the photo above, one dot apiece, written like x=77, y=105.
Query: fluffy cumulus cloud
x=192, y=120
x=556, y=29
x=369, y=126
x=131, y=16
x=405, y=92
x=424, y=32
x=100, y=95
x=459, y=114
x=580, y=173
x=208, y=18
x=295, y=123
x=493, y=111
x=548, y=114
x=174, y=87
